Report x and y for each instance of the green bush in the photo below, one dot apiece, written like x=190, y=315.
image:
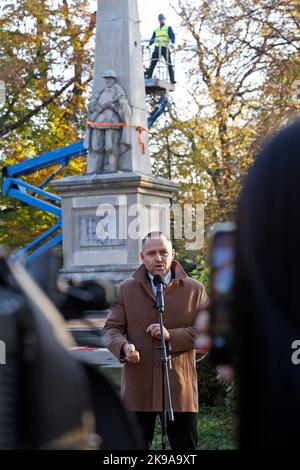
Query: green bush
x=231, y=396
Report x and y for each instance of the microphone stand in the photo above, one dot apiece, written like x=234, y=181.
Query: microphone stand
x=165, y=372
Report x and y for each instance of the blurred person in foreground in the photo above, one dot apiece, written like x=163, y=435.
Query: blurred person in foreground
x=266, y=315
x=134, y=337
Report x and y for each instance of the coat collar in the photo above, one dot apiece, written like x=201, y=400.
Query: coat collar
x=140, y=275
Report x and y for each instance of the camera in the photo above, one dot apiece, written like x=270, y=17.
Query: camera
x=49, y=399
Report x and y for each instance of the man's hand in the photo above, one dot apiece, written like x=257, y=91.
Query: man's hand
x=131, y=354
x=154, y=330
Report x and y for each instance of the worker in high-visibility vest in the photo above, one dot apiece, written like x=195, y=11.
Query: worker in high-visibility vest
x=162, y=37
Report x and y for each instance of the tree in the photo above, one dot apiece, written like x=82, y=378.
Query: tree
x=242, y=59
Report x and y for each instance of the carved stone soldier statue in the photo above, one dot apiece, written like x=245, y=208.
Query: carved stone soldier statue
x=108, y=135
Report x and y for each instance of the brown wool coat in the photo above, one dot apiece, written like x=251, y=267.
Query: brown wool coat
x=128, y=320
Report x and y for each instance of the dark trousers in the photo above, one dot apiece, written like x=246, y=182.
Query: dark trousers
x=167, y=56
x=182, y=432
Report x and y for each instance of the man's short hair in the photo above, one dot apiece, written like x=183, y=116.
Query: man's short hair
x=155, y=234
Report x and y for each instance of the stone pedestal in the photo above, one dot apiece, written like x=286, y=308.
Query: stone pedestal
x=105, y=218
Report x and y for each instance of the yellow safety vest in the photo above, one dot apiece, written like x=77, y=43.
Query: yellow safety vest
x=162, y=36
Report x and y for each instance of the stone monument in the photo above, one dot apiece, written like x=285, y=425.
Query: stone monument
x=108, y=211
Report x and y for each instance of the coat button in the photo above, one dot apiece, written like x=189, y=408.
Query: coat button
x=156, y=364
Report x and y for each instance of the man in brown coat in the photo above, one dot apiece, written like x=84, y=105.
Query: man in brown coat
x=134, y=338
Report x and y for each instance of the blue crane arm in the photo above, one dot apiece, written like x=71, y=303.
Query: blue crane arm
x=15, y=187
x=19, y=189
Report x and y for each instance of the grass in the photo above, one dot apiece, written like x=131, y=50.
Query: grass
x=216, y=429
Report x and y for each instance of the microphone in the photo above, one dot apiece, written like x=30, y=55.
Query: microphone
x=159, y=284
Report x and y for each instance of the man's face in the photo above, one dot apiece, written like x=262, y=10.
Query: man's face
x=161, y=21
x=157, y=255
